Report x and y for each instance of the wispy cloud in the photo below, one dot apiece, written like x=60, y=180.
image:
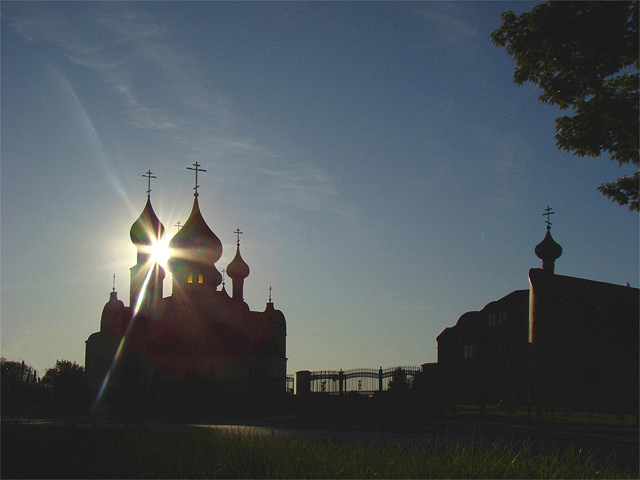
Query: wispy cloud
x=447, y=26
x=167, y=91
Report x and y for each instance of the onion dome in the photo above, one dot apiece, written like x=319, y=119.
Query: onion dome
x=195, y=242
x=147, y=229
x=237, y=268
x=548, y=251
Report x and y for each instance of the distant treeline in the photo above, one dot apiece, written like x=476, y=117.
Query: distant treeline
x=61, y=388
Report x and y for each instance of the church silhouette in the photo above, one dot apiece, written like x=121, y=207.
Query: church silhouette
x=196, y=351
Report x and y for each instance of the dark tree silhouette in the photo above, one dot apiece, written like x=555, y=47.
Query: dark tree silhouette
x=584, y=56
x=20, y=384
x=67, y=383
x=399, y=380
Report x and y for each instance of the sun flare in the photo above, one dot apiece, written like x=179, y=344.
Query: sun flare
x=160, y=252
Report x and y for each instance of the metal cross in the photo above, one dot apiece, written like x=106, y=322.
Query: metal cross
x=548, y=213
x=238, y=233
x=196, y=169
x=149, y=175
x=179, y=225
x=270, y=293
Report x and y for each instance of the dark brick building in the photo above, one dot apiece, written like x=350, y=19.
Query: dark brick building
x=565, y=342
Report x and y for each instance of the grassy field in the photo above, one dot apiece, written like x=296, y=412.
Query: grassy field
x=544, y=415
x=37, y=451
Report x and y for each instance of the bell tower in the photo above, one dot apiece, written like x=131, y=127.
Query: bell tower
x=147, y=276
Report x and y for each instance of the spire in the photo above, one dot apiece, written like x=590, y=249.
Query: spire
x=238, y=233
x=238, y=270
x=269, y=307
x=145, y=232
x=149, y=175
x=113, y=295
x=196, y=168
x=548, y=250
x=148, y=228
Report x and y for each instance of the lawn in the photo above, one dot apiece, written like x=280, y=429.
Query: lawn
x=40, y=451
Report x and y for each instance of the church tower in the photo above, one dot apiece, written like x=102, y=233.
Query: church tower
x=147, y=276
x=195, y=249
x=238, y=270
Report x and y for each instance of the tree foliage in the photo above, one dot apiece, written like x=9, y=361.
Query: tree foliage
x=67, y=382
x=15, y=375
x=399, y=380
x=21, y=385
x=585, y=57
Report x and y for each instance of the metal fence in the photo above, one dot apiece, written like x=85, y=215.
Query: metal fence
x=362, y=380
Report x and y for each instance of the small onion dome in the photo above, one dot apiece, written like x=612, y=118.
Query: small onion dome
x=238, y=269
x=548, y=251
x=195, y=242
x=147, y=229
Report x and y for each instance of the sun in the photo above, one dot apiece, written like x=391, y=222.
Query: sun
x=160, y=252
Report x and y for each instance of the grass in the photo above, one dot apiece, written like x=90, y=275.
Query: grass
x=561, y=416
x=37, y=451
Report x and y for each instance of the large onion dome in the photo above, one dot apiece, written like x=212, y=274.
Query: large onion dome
x=195, y=241
x=196, y=249
x=237, y=268
x=147, y=229
x=548, y=251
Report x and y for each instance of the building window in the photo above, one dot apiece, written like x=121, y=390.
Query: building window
x=502, y=317
x=468, y=351
x=492, y=320
x=190, y=278
x=200, y=278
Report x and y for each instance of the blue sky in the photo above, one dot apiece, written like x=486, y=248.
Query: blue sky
x=387, y=174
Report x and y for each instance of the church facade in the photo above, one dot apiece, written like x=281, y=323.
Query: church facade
x=564, y=342
x=198, y=350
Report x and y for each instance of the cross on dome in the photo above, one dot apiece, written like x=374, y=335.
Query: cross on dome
x=196, y=168
x=238, y=233
x=149, y=175
x=548, y=213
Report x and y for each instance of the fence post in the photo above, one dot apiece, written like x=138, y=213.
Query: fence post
x=340, y=382
x=380, y=379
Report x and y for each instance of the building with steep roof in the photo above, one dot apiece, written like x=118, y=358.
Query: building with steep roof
x=564, y=342
x=198, y=350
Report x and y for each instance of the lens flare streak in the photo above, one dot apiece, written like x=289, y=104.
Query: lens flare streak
x=122, y=343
